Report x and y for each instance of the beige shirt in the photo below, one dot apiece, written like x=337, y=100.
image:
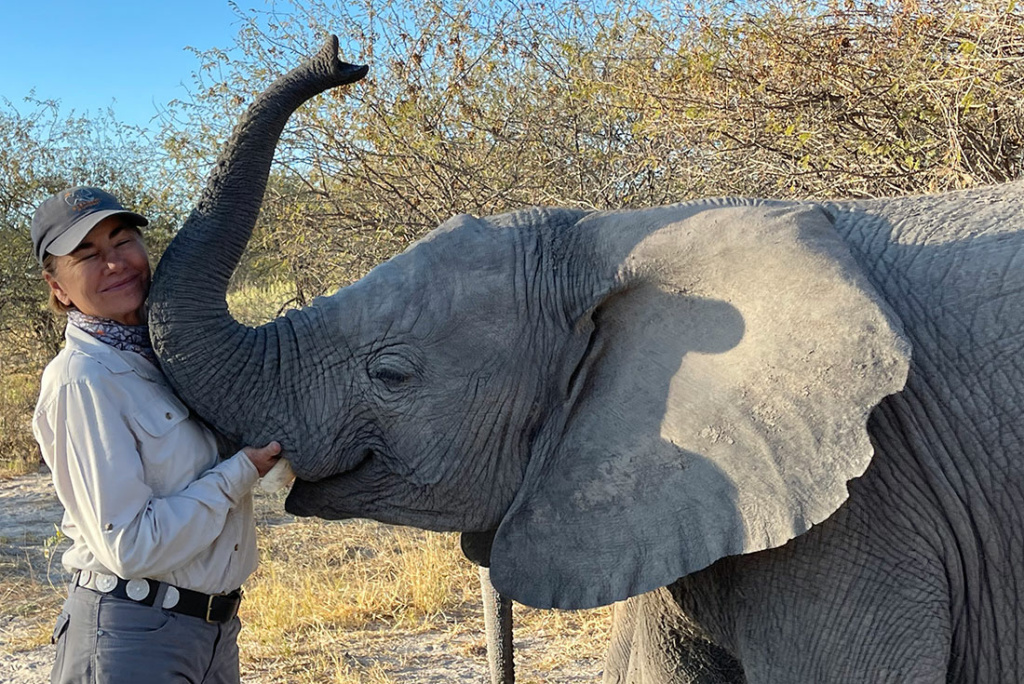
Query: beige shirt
x=143, y=489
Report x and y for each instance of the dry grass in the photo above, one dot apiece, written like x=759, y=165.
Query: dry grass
x=32, y=588
x=37, y=603
x=18, y=451
x=322, y=582
x=359, y=602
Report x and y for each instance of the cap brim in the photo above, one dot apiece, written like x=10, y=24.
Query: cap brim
x=73, y=236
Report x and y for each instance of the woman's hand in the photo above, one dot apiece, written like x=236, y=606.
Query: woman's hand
x=263, y=458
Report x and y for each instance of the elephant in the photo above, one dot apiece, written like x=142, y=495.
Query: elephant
x=782, y=437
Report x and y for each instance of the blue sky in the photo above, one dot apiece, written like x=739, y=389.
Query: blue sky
x=97, y=53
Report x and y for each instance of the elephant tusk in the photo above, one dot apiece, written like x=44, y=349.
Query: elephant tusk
x=281, y=475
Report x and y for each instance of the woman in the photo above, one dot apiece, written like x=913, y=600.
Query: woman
x=162, y=529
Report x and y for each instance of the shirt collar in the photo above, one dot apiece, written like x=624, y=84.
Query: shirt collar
x=113, y=359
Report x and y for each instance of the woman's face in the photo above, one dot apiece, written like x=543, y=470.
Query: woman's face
x=107, y=275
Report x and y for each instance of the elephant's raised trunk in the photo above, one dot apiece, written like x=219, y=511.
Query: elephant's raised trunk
x=207, y=355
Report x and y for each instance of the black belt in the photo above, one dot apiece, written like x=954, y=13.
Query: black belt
x=210, y=607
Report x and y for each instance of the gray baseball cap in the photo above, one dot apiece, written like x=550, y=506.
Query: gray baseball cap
x=63, y=220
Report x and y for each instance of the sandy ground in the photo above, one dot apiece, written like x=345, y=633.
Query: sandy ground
x=28, y=512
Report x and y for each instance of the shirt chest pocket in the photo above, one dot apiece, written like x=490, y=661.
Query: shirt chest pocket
x=157, y=416
x=167, y=444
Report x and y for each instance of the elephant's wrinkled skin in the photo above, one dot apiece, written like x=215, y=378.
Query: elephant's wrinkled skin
x=681, y=392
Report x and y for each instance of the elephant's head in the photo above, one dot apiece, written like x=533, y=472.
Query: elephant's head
x=625, y=397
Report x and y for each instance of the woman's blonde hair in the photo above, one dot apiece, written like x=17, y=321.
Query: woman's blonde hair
x=50, y=266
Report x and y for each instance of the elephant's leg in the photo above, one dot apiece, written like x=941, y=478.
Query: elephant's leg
x=620, y=648
x=653, y=642
x=498, y=627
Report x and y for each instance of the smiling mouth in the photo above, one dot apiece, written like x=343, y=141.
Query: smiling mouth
x=121, y=285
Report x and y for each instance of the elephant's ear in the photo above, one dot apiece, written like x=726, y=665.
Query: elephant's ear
x=733, y=357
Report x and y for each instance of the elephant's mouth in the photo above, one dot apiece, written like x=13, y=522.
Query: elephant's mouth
x=325, y=496
x=362, y=461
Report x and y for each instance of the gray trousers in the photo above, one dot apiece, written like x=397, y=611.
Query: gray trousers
x=106, y=640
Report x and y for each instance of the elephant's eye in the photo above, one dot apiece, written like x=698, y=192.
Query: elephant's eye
x=390, y=376
x=391, y=370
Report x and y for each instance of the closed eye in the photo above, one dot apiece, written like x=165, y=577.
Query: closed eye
x=390, y=376
x=391, y=370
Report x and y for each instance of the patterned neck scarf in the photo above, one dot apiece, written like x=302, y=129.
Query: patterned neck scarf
x=133, y=338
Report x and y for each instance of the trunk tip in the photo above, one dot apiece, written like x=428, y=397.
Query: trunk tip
x=342, y=71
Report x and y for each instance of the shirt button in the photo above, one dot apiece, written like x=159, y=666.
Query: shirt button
x=236, y=547
x=108, y=527
x=168, y=415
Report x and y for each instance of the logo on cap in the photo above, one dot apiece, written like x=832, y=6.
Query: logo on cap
x=80, y=199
